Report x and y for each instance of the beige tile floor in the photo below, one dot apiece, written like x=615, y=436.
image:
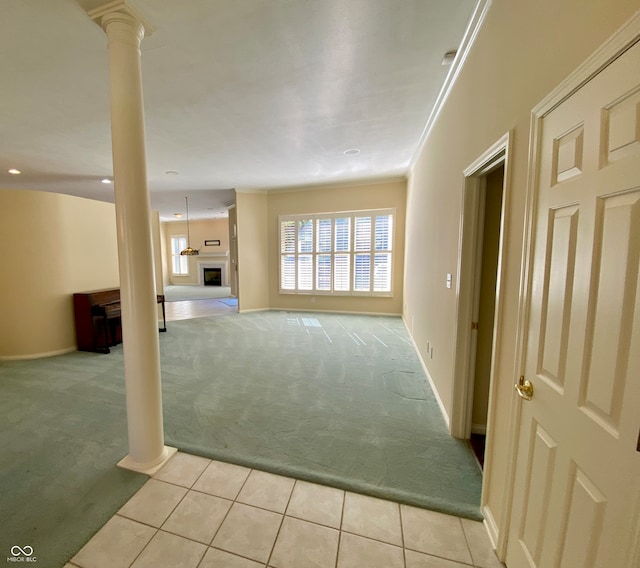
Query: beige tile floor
x=189, y=309
x=199, y=513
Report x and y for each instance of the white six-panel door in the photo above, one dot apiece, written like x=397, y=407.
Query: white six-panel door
x=577, y=488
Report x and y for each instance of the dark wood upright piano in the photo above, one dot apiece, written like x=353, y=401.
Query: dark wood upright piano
x=98, y=321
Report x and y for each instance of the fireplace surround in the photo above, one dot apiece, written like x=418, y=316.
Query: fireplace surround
x=217, y=261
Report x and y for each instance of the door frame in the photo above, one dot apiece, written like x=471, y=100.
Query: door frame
x=462, y=397
x=612, y=48
x=468, y=276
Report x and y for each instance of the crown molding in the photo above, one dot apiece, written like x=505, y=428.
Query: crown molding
x=475, y=23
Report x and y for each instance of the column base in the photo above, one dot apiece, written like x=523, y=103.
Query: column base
x=148, y=468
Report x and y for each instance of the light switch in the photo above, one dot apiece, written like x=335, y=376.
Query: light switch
x=449, y=279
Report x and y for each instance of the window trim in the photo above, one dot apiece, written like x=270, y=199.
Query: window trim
x=173, y=255
x=373, y=213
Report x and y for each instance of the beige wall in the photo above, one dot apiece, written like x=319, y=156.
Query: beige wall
x=233, y=251
x=522, y=52
x=199, y=230
x=54, y=245
x=328, y=200
x=253, y=265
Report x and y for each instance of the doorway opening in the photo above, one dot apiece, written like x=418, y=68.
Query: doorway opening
x=480, y=277
x=484, y=304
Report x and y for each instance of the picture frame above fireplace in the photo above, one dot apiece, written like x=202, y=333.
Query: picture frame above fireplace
x=212, y=243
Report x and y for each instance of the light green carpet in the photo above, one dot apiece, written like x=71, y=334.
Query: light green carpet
x=341, y=400
x=180, y=293
x=62, y=430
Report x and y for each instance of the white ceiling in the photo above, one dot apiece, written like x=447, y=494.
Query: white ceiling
x=238, y=93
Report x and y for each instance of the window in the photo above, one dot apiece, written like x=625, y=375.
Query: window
x=179, y=264
x=337, y=253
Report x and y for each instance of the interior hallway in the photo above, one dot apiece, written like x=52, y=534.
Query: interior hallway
x=188, y=309
x=199, y=513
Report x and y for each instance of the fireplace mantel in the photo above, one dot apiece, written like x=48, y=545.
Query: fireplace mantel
x=224, y=254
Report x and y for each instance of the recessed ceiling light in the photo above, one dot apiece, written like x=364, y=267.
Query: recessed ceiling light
x=105, y=180
x=14, y=171
x=178, y=215
x=352, y=152
x=171, y=173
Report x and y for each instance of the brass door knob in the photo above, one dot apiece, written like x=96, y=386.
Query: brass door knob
x=524, y=388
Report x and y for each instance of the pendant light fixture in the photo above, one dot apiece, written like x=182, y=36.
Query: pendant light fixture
x=189, y=251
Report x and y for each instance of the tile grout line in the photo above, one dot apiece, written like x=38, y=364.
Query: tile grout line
x=158, y=530
x=144, y=548
x=344, y=502
x=341, y=530
x=374, y=539
x=442, y=558
x=273, y=547
x=404, y=548
x=466, y=540
x=170, y=512
x=233, y=502
x=297, y=518
x=189, y=489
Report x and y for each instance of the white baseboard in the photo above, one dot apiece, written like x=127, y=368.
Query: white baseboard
x=335, y=312
x=38, y=355
x=436, y=394
x=491, y=527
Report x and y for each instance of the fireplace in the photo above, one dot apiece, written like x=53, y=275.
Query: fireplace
x=212, y=276
x=217, y=261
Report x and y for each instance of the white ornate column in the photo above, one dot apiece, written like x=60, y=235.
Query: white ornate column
x=125, y=29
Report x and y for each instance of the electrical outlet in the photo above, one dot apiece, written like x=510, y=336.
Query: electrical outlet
x=449, y=279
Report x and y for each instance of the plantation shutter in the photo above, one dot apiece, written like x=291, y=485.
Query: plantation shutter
x=323, y=258
x=287, y=255
x=362, y=261
x=342, y=256
x=339, y=253
x=305, y=254
x=382, y=260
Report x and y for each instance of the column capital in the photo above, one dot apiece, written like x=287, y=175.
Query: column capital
x=120, y=9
